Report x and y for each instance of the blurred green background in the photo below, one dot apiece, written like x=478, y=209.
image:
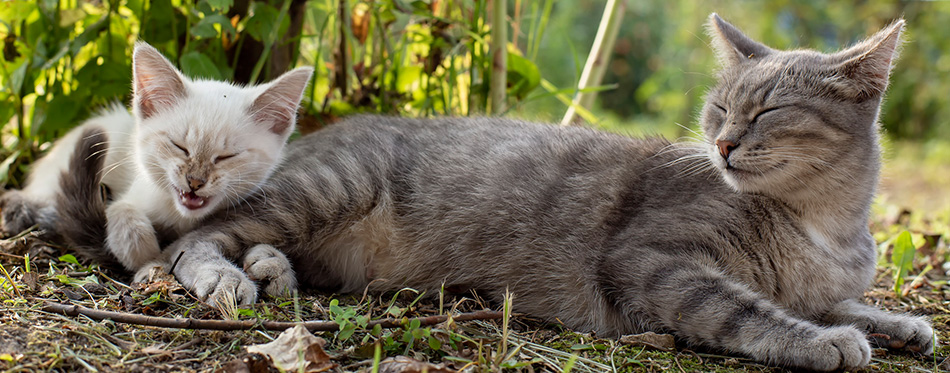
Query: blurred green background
x=64, y=58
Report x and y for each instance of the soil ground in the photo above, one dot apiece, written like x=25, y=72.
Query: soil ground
x=32, y=339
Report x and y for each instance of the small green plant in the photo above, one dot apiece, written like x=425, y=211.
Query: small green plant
x=348, y=320
x=903, y=259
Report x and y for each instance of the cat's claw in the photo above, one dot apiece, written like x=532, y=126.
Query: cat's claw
x=219, y=285
x=267, y=264
x=904, y=332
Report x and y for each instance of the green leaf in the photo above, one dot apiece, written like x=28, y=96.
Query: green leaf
x=903, y=258
x=88, y=35
x=195, y=64
x=221, y=5
x=523, y=75
x=69, y=258
x=205, y=27
x=164, y=23
x=62, y=113
x=5, y=168
x=263, y=20
x=435, y=344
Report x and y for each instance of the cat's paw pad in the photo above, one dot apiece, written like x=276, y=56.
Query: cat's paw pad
x=838, y=348
x=266, y=264
x=904, y=332
x=224, y=284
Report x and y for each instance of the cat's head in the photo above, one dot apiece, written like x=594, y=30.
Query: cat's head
x=783, y=123
x=209, y=143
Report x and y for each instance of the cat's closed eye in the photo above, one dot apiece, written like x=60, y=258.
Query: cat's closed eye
x=224, y=157
x=757, y=116
x=182, y=148
x=724, y=111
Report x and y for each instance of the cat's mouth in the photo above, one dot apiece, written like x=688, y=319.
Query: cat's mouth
x=191, y=200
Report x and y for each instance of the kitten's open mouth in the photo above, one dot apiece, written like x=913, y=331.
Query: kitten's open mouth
x=191, y=200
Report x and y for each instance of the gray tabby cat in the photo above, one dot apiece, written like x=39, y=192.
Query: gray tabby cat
x=755, y=242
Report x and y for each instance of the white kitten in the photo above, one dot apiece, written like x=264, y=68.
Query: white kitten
x=191, y=148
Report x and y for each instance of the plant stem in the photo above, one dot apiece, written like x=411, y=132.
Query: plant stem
x=598, y=58
x=499, y=53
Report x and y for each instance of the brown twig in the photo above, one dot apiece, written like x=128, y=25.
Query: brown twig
x=181, y=323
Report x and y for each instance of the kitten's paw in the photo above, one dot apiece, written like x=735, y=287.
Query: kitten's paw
x=20, y=213
x=219, y=284
x=836, y=348
x=903, y=332
x=265, y=263
x=149, y=271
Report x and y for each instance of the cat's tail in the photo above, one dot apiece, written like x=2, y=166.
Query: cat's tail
x=82, y=203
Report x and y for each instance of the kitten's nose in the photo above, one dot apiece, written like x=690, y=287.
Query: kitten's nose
x=195, y=183
x=725, y=147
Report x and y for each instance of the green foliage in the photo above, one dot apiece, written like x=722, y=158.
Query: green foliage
x=663, y=63
x=63, y=59
x=903, y=259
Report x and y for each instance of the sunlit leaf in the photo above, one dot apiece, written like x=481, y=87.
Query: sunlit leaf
x=197, y=65
x=221, y=5
x=205, y=27
x=903, y=258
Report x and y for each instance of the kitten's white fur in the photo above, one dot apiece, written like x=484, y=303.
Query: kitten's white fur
x=222, y=138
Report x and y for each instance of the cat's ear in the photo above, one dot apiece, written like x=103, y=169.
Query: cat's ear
x=157, y=84
x=277, y=106
x=732, y=46
x=864, y=68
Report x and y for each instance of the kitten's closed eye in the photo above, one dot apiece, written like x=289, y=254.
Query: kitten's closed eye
x=224, y=157
x=182, y=148
x=724, y=111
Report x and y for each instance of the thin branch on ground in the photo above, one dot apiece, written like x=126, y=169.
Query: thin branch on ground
x=183, y=323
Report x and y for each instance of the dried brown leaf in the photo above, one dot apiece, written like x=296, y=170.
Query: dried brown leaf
x=285, y=351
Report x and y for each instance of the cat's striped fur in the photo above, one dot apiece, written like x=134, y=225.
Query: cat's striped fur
x=754, y=241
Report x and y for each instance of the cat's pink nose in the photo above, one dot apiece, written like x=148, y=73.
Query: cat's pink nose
x=195, y=183
x=725, y=147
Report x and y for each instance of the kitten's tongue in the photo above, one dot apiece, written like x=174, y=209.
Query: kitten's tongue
x=191, y=200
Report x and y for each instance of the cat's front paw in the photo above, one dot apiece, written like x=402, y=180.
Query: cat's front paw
x=903, y=332
x=266, y=264
x=835, y=348
x=150, y=271
x=218, y=284
x=19, y=212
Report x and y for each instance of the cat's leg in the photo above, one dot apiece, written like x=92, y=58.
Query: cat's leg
x=202, y=269
x=20, y=211
x=204, y=258
x=705, y=307
x=130, y=235
x=267, y=264
x=885, y=329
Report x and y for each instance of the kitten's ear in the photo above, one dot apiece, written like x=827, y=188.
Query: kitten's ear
x=866, y=66
x=277, y=106
x=157, y=84
x=732, y=46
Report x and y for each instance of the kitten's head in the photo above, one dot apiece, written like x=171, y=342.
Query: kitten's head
x=208, y=143
x=784, y=122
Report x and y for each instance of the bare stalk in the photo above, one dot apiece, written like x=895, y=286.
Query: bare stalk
x=598, y=58
x=499, y=54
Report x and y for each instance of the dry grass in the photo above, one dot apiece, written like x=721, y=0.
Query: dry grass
x=34, y=340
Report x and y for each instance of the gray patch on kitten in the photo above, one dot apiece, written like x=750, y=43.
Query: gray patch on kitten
x=755, y=242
